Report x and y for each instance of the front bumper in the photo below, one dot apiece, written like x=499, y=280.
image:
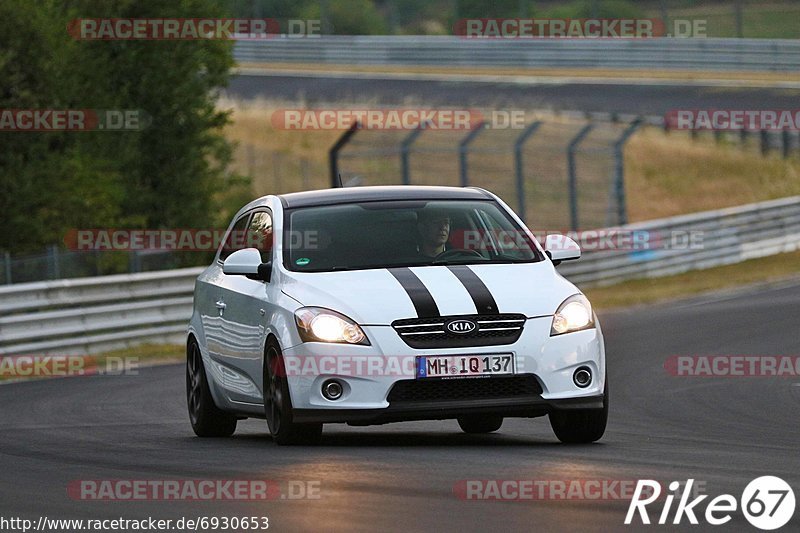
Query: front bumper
x=552, y=360
x=443, y=410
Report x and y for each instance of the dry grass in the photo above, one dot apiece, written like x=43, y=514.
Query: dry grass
x=672, y=174
x=741, y=78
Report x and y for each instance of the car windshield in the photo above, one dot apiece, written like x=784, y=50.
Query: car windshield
x=403, y=233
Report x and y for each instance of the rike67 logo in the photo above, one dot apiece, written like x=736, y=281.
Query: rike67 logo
x=767, y=502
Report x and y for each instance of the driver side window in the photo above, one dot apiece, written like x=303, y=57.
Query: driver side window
x=235, y=240
x=260, y=235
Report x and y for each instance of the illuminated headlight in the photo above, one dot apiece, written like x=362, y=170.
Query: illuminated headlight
x=316, y=324
x=574, y=314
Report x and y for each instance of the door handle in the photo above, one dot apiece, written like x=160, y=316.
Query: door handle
x=221, y=305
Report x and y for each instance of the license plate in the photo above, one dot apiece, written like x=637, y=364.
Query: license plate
x=451, y=366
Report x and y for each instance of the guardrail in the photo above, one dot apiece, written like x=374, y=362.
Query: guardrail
x=90, y=315
x=728, y=236
x=781, y=55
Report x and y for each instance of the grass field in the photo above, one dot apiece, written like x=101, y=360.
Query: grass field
x=742, y=79
x=761, y=20
x=647, y=291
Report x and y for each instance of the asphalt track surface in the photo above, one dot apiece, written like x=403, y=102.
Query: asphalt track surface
x=650, y=99
x=722, y=431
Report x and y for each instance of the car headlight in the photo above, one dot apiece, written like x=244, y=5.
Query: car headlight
x=574, y=314
x=316, y=324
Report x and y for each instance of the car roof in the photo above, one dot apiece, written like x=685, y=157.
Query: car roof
x=348, y=195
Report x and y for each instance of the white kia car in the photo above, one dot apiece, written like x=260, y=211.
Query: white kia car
x=369, y=305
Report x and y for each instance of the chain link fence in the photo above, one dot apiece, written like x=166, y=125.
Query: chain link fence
x=559, y=173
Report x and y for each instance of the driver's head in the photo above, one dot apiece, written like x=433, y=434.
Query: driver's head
x=433, y=226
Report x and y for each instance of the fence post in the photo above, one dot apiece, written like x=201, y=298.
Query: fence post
x=764, y=142
x=619, y=170
x=7, y=260
x=463, y=151
x=405, y=151
x=573, y=179
x=518, y=144
x=333, y=154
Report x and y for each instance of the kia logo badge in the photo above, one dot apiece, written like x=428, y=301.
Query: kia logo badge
x=461, y=326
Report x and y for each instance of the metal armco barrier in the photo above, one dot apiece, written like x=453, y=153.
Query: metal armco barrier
x=778, y=55
x=89, y=315
x=726, y=236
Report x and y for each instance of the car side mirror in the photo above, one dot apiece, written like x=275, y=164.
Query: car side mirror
x=247, y=262
x=561, y=248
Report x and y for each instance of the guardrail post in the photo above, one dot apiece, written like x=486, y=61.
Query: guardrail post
x=619, y=170
x=463, y=151
x=573, y=179
x=786, y=143
x=333, y=154
x=7, y=261
x=764, y=142
x=52, y=254
x=134, y=261
x=518, y=144
x=405, y=151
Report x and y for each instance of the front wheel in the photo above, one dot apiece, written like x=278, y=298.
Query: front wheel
x=206, y=418
x=580, y=426
x=278, y=404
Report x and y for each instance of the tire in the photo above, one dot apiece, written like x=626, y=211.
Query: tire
x=278, y=403
x=480, y=424
x=580, y=426
x=206, y=418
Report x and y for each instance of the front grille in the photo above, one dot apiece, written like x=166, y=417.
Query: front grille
x=492, y=330
x=433, y=390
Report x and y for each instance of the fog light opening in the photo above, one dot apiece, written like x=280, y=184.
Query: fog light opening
x=582, y=377
x=332, y=390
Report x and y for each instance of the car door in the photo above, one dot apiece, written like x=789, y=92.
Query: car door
x=210, y=295
x=245, y=311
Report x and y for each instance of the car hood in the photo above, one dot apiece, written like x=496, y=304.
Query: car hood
x=378, y=297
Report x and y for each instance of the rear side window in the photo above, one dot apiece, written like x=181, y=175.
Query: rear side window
x=235, y=240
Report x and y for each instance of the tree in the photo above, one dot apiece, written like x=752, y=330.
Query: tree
x=170, y=174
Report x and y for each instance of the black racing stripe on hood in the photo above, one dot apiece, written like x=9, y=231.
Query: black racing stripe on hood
x=483, y=299
x=420, y=296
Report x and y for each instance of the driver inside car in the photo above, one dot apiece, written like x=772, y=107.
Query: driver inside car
x=433, y=227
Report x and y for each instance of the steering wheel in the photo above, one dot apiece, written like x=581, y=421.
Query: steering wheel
x=456, y=252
